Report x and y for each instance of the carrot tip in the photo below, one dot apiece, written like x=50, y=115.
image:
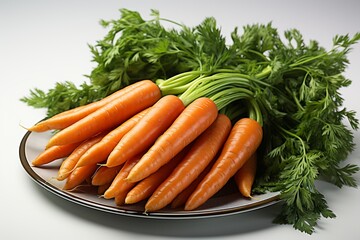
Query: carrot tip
x=107, y=195
x=251, y=197
x=60, y=178
x=34, y=164
x=22, y=126
x=131, y=179
x=188, y=208
x=64, y=175
x=111, y=163
x=129, y=200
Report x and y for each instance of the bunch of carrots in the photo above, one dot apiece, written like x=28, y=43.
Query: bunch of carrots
x=170, y=142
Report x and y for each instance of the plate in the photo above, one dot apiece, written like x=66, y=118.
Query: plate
x=226, y=202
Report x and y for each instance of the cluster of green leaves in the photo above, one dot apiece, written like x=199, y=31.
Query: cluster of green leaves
x=136, y=49
x=310, y=139
x=296, y=86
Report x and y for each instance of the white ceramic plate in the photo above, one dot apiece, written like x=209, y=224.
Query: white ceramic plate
x=224, y=203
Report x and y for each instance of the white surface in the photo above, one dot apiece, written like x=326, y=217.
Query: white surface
x=42, y=42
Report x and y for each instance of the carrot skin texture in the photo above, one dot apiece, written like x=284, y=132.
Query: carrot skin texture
x=69, y=163
x=79, y=175
x=53, y=153
x=100, y=151
x=245, y=176
x=104, y=175
x=161, y=115
x=243, y=141
x=120, y=198
x=183, y=196
x=193, y=120
x=67, y=118
x=110, y=115
x=119, y=183
x=201, y=154
x=147, y=186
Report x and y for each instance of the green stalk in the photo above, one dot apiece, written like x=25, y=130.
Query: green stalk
x=224, y=89
x=178, y=83
x=206, y=87
x=190, y=80
x=226, y=97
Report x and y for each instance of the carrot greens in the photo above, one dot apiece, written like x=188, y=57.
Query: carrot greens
x=135, y=49
x=290, y=87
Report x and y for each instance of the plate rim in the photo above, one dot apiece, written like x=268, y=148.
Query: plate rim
x=126, y=212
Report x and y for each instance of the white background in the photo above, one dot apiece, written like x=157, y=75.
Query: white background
x=42, y=42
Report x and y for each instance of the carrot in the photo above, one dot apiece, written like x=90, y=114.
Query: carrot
x=120, y=197
x=110, y=115
x=101, y=150
x=194, y=120
x=105, y=175
x=244, y=139
x=52, y=122
x=79, y=175
x=119, y=183
x=161, y=115
x=69, y=163
x=67, y=118
x=102, y=188
x=245, y=176
x=53, y=153
x=201, y=153
x=183, y=196
x=147, y=186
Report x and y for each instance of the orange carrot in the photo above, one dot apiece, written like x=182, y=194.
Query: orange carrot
x=194, y=120
x=102, y=188
x=244, y=139
x=161, y=115
x=120, y=197
x=51, y=123
x=100, y=151
x=79, y=175
x=53, y=153
x=67, y=118
x=202, y=152
x=147, y=186
x=105, y=175
x=182, y=197
x=245, y=176
x=69, y=163
x=110, y=115
x=119, y=183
